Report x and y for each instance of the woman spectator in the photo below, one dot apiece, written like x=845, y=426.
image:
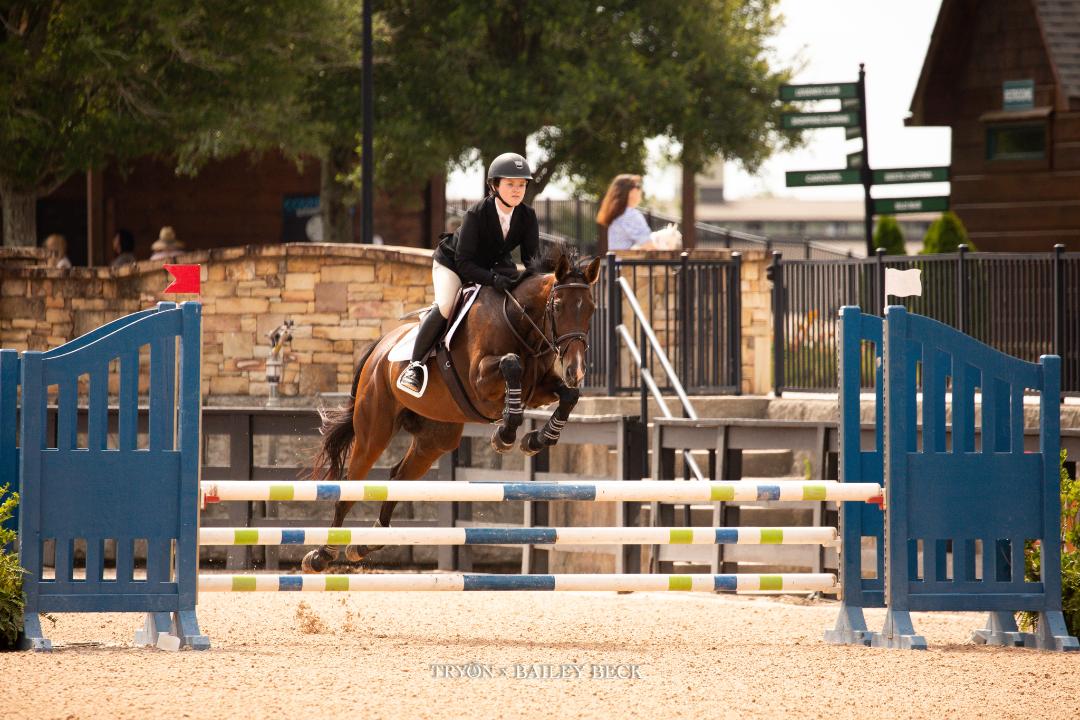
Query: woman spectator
x=627, y=227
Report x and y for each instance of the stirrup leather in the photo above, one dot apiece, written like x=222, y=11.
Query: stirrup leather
x=423, y=385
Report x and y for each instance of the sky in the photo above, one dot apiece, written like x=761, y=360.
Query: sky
x=828, y=39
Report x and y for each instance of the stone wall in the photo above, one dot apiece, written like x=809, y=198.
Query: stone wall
x=340, y=297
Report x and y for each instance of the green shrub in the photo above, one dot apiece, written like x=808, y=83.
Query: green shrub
x=1070, y=557
x=946, y=235
x=888, y=235
x=11, y=595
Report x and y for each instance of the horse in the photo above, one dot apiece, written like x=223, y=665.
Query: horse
x=516, y=349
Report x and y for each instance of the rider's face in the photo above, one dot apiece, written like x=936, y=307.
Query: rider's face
x=512, y=190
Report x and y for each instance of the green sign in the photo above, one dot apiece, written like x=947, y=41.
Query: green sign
x=796, y=121
x=898, y=206
x=911, y=175
x=853, y=132
x=822, y=177
x=854, y=160
x=820, y=91
x=850, y=104
x=1018, y=94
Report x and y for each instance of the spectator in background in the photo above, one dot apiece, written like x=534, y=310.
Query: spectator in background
x=627, y=227
x=56, y=252
x=167, y=246
x=123, y=245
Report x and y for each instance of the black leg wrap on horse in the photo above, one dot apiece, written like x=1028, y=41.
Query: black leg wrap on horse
x=537, y=440
x=502, y=440
x=514, y=410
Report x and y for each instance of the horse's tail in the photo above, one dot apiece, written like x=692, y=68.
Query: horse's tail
x=337, y=430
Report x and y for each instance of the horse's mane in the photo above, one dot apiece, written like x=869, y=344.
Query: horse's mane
x=550, y=255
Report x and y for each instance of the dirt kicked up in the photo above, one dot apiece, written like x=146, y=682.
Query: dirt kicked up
x=543, y=655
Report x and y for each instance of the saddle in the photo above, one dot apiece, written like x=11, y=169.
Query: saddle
x=402, y=351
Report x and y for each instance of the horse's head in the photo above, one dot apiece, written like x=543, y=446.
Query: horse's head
x=570, y=307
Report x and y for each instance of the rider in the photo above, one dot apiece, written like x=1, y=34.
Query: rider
x=479, y=252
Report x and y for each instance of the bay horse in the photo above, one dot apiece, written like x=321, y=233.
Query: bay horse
x=517, y=349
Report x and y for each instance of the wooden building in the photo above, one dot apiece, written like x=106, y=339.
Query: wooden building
x=1005, y=76
x=238, y=201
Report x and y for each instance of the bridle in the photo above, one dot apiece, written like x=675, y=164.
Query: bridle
x=555, y=343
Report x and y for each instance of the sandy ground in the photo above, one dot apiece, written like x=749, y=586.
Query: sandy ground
x=388, y=655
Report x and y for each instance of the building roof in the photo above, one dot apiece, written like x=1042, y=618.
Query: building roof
x=1059, y=24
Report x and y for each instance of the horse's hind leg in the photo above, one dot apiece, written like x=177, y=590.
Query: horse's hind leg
x=430, y=441
x=371, y=439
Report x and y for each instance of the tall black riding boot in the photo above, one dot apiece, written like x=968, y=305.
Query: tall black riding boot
x=413, y=379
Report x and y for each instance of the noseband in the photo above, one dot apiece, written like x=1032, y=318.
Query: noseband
x=554, y=342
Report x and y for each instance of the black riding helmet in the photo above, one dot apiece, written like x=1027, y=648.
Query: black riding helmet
x=507, y=165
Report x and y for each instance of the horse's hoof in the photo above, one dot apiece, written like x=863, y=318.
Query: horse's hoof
x=498, y=445
x=356, y=553
x=530, y=444
x=313, y=562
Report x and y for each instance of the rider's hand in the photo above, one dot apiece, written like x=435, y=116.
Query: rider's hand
x=501, y=282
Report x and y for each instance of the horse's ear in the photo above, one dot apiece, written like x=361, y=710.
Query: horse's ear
x=562, y=268
x=592, y=272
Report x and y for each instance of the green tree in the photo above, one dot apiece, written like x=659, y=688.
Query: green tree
x=587, y=82
x=87, y=83
x=887, y=235
x=946, y=235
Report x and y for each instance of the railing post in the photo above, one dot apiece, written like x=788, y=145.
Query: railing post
x=1059, y=300
x=684, y=318
x=961, y=289
x=614, y=308
x=776, y=274
x=880, y=254
x=643, y=347
x=735, y=320
x=579, y=226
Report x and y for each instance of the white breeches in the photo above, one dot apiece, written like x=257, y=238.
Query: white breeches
x=447, y=283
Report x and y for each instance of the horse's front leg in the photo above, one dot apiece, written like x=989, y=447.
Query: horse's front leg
x=548, y=435
x=502, y=440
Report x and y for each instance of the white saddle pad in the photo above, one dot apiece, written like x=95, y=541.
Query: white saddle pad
x=402, y=350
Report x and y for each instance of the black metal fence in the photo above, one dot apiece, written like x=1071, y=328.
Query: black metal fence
x=1025, y=304
x=574, y=220
x=693, y=307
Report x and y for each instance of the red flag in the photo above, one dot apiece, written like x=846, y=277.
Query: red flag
x=185, y=279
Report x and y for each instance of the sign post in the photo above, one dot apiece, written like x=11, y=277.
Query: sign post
x=852, y=117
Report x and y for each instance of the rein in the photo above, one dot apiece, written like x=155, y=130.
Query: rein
x=554, y=342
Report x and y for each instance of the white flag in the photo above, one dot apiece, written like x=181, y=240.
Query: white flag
x=903, y=283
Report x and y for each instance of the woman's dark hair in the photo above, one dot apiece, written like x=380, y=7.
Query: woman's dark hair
x=614, y=202
x=127, y=240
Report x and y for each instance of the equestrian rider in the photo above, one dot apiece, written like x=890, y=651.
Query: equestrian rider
x=479, y=252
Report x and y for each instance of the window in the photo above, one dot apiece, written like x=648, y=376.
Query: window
x=1016, y=142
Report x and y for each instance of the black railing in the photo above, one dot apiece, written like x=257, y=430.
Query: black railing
x=1025, y=304
x=574, y=220
x=693, y=307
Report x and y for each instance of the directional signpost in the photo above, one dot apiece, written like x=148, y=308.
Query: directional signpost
x=812, y=178
x=795, y=121
x=852, y=117
x=821, y=91
x=899, y=176
x=898, y=206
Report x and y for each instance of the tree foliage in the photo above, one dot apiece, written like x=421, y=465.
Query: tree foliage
x=946, y=235
x=587, y=82
x=888, y=235
x=88, y=83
